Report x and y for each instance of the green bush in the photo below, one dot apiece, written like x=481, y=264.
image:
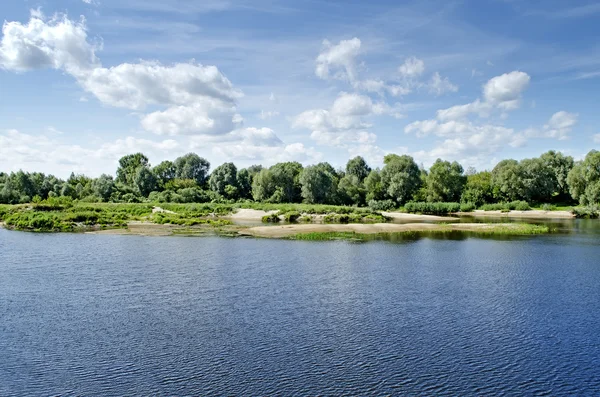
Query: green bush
x=587, y=212
x=432, y=208
x=548, y=207
x=291, y=216
x=272, y=218
x=381, y=205
x=467, y=207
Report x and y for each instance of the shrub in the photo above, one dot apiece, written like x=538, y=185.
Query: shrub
x=291, y=216
x=588, y=212
x=467, y=207
x=548, y=207
x=381, y=205
x=272, y=218
x=432, y=208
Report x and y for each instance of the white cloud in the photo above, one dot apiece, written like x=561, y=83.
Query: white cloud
x=439, y=85
x=596, y=138
x=558, y=127
x=199, y=99
x=505, y=90
x=501, y=92
x=338, y=59
x=206, y=117
x=267, y=115
x=412, y=68
x=58, y=43
x=34, y=152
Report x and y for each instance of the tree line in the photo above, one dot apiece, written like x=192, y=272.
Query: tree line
x=550, y=178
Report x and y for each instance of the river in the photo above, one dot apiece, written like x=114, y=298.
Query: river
x=102, y=315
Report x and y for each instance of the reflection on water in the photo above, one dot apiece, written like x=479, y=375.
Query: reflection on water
x=101, y=315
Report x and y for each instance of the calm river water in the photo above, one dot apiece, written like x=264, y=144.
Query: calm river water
x=107, y=315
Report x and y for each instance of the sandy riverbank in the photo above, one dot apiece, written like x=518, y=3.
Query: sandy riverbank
x=403, y=216
x=532, y=214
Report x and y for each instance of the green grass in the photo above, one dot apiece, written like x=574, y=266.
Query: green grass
x=516, y=229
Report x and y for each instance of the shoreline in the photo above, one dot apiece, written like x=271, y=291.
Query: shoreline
x=530, y=214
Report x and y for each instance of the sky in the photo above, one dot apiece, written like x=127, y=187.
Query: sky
x=84, y=82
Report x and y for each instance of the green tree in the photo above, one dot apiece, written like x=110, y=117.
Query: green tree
x=223, y=176
x=538, y=180
x=561, y=166
x=584, y=179
x=400, y=177
x=445, y=181
x=164, y=172
x=351, y=190
x=192, y=166
x=319, y=184
x=145, y=181
x=478, y=189
x=244, y=183
x=263, y=185
x=358, y=167
x=128, y=167
x=373, y=186
x=507, y=181
x=286, y=177
x=103, y=186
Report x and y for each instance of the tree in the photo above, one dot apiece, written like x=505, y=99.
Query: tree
x=164, y=172
x=561, y=166
x=128, y=167
x=103, y=186
x=223, y=176
x=507, y=181
x=358, y=167
x=244, y=182
x=445, y=181
x=263, y=185
x=373, y=186
x=319, y=184
x=192, y=166
x=400, y=177
x=538, y=180
x=145, y=181
x=584, y=179
x=478, y=189
x=286, y=177
x=351, y=191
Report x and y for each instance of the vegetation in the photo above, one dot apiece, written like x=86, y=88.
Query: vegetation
x=549, y=179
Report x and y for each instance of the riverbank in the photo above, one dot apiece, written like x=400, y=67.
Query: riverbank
x=530, y=214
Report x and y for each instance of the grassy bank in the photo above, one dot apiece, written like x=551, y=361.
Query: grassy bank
x=521, y=229
x=67, y=216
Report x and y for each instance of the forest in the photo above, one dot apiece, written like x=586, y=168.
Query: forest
x=550, y=180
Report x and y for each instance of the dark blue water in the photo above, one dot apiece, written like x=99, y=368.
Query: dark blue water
x=125, y=316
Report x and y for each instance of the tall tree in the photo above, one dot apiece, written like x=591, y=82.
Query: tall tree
x=445, y=181
x=103, y=186
x=400, y=177
x=286, y=177
x=507, y=181
x=128, y=167
x=319, y=183
x=223, y=176
x=165, y=172
x=358, y=167
x=192, y=166
x=478, y=189
x=560, y=165
x=584, y=179
x=145, y=181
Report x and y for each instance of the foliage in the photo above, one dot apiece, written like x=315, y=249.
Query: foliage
x=439, y=208
x=271, y=218
x=584, y=180
x=358, y=168
x=478, y=189
x=445, y=181
x=319, y=183
x=381, y=205
x=467, y=207
x=400, y=177
x=192, y=166
x=510, y=206
x=223, y=176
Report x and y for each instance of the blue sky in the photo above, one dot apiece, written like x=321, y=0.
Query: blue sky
x=84, y=82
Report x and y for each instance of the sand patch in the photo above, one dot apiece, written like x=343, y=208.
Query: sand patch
x=402, y=216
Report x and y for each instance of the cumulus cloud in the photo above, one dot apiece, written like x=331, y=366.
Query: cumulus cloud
x=439, y=85
x=411, y=68
x=345, y=121
x=18, y=149
x=338, y=59
x=501, y=92
x=558, y=127
x=199, y=99
x=57, y=43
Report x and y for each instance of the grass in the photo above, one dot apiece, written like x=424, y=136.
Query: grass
x=515, y=229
